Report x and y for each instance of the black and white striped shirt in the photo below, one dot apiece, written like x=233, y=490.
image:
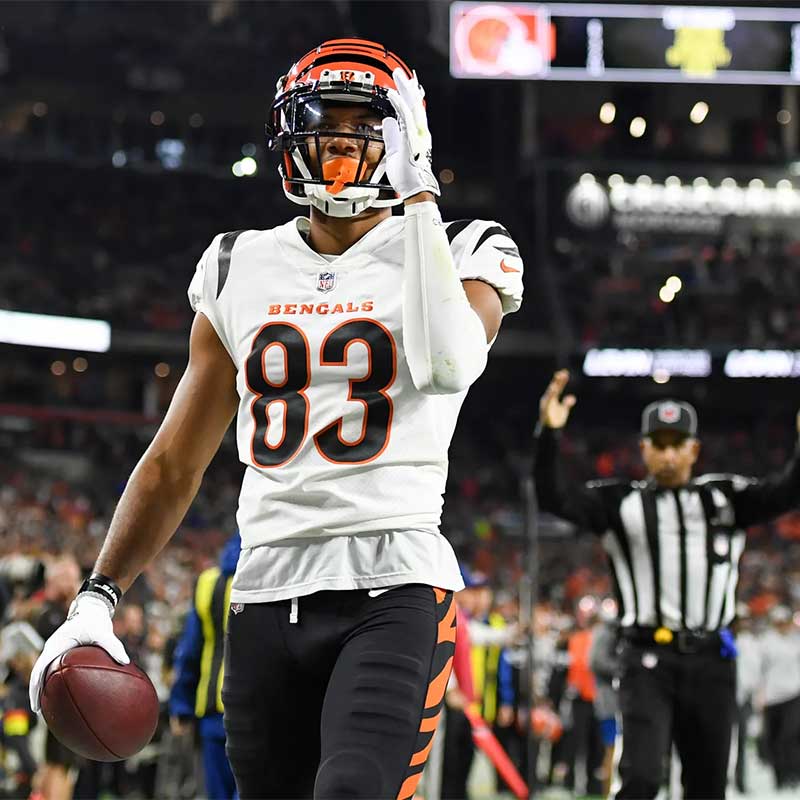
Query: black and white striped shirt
x=674, y=553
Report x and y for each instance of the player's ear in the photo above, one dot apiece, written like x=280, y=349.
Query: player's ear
x=695, y=450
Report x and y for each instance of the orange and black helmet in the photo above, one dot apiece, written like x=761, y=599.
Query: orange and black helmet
x=344, y=72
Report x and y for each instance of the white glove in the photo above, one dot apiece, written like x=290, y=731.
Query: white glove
x=408, y=140
x=89, y=622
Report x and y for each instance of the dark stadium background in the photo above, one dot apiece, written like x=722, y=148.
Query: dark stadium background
x=120, y=123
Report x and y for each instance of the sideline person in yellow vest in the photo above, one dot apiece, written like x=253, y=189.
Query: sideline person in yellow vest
x=197, y=690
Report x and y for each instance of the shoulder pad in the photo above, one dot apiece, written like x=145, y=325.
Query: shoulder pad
x=737, y=482
x=473, y=233
x=606, y=483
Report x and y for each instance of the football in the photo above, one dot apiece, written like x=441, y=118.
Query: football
x=98, y=708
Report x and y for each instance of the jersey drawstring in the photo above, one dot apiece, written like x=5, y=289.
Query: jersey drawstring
x=294, y=614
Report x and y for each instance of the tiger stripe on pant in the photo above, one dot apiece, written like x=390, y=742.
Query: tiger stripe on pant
x=441, y=666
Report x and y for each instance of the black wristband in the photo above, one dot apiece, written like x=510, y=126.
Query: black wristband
x=105, y=587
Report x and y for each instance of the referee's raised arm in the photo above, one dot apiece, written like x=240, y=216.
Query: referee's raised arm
x=579, y=503
x=758, y=500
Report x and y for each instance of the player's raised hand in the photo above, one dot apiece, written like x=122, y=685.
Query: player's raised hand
x=408, y=139
x=553, y=409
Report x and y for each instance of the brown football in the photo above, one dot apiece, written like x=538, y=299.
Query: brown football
x=98, y=708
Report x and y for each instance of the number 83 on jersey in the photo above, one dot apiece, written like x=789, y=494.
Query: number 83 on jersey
x=280, y=370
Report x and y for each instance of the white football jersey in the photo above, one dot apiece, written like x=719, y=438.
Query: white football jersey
x=336, y=439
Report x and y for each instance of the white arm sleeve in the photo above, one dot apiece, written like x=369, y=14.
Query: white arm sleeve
x=444, y=339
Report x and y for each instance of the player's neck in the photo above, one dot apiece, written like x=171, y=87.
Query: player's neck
x=333, y=235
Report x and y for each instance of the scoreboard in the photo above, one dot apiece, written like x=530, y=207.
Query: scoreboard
x=635, y=43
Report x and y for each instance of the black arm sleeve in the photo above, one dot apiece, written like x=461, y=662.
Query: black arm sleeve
x=582, y=505
x=760, y=499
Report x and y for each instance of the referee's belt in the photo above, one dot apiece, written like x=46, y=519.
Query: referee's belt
x=682, y=641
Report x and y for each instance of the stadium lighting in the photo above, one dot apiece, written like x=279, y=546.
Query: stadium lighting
x=46, y=330
x=157, y=118
x=672, y=182
x=58, y=368
x=784, y=116
x=447, y=175
x=637, y=127
x=698, y=182
x=699, y=112
x=608, y=112
x=248, y=149
x=170, y=153
x=80, y=364
x=762, y=364
x=728, y=183
x=666, y=295
x=644, y=180
x=615, y=180
x=161, y=369
x=640, y=363
x=119, y=159
x=661, y=376
x=40, y=109
x=674, y=284
x=783, y=185
x=249, y=166
x=237, y=170
x=196, y=120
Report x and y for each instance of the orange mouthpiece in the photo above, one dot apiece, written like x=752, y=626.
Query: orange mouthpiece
x=341, y=170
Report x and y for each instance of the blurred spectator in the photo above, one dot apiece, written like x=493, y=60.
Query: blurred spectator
x=780, y=673
x=62, y=581
x=604, y=664
x=583, y=751
x=197, y=687
x=748, y=681
x=20, y=646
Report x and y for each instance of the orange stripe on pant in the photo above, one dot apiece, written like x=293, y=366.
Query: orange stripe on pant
x=409, y=786
x=438, y=685
x=447, y=627
x=428, y=724
x=444, y=650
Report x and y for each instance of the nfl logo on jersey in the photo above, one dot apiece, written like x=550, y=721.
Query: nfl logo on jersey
x=326, y=281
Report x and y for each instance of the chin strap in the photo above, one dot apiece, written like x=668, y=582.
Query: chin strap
x=349, y=201
x=444, y=339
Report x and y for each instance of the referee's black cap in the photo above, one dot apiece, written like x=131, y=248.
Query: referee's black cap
x=669, y=415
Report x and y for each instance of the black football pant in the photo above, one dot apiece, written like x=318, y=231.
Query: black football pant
x=782, y=734
x=685, y=698
x=342, y=703
x=743, y=714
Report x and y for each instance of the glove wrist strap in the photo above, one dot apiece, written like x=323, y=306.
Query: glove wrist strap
x=104, y=588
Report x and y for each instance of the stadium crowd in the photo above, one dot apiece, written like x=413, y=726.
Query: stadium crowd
x=739, y=288
x=53, y=518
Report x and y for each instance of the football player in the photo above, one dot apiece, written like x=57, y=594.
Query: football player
x=344, y=343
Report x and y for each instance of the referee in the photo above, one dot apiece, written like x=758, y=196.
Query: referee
x=674, y=544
